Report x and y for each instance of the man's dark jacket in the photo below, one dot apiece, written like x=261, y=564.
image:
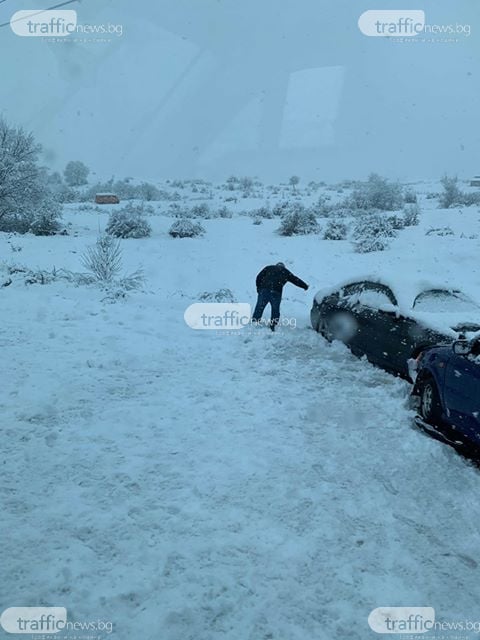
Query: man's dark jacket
x=274, y=277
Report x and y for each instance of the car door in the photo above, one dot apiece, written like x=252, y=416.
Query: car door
x=397, y=340
x=374, y=324
x=462, y=393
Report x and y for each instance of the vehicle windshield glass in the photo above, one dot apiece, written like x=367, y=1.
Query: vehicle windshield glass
x=442, y=301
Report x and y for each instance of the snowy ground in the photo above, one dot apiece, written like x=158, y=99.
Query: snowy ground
x=195, y=485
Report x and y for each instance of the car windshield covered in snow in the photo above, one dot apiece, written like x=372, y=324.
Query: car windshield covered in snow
x=443, y=301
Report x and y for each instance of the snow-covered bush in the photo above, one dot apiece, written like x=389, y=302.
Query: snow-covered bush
x=224, y=212
x=451, y=193
x=186, y=228
x=298, y=222
x=147, y=191
x=409, y=196
x=411, y=215
x=397, y=222
x=129, y=222
x=335, y=230
x=76, y=173
x=323, y=206
x=46, y=220
x=201, y=210
x=257, y=221
x=440, y=231
x=24, y=186
x=262, y=212
x=377, y=193
x=104, y=259
x=469, y=199
x=246, y=185
x=222, y=295
x=280, y=209
x=372, y=233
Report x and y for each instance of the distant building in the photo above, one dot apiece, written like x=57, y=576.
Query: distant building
x=475, y=182
x=106, y=198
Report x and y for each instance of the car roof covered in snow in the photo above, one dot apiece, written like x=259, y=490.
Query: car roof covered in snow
x=406, y=292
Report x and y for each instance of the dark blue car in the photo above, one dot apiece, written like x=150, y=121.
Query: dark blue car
x=448, y=384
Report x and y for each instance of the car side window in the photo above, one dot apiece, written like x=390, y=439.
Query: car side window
x=373, y=299
x=369, y=294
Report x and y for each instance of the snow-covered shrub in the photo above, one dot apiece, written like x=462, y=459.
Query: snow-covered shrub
x=46, y=220
x=335, y=230
x=451, y=193
x=224, y=212
x=186, y=228
x=440, y=231
x=262, y=212
x=257, y=221
x=469, y=199
x=147, y=191
x=323, y=206
x=222, y=295
x=246, y=185
x=377, y=193
x=397, y=222
x=177, y=210
x=372, y=233
x=345, y=212
x=298, y=222
x=411, y=215
x=129, y=222
x=281, y=208
x=201, y=210
x=104, y=259
x=409, y=196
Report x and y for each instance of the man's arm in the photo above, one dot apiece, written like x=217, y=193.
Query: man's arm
x=259, y=280
x=296, y=281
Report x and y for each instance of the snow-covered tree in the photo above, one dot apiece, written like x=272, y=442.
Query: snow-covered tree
x=294, y=180
x=25, y=194
x=76, y=173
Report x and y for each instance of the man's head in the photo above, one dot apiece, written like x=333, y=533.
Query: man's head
x=280, y=264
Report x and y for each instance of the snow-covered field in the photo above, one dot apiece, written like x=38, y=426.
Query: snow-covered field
x=194, y=485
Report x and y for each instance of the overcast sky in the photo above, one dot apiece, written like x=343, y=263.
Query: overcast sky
x=272, y=88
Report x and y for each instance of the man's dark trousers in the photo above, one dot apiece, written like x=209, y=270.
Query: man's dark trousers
x=265, y=296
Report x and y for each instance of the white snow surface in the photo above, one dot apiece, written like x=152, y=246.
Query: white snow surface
x=200, y=485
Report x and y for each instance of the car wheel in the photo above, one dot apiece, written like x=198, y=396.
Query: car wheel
x=339, y=326
x=430, y=408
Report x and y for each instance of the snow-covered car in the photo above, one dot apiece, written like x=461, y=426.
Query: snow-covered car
x=447, y=380
x=392, y=327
